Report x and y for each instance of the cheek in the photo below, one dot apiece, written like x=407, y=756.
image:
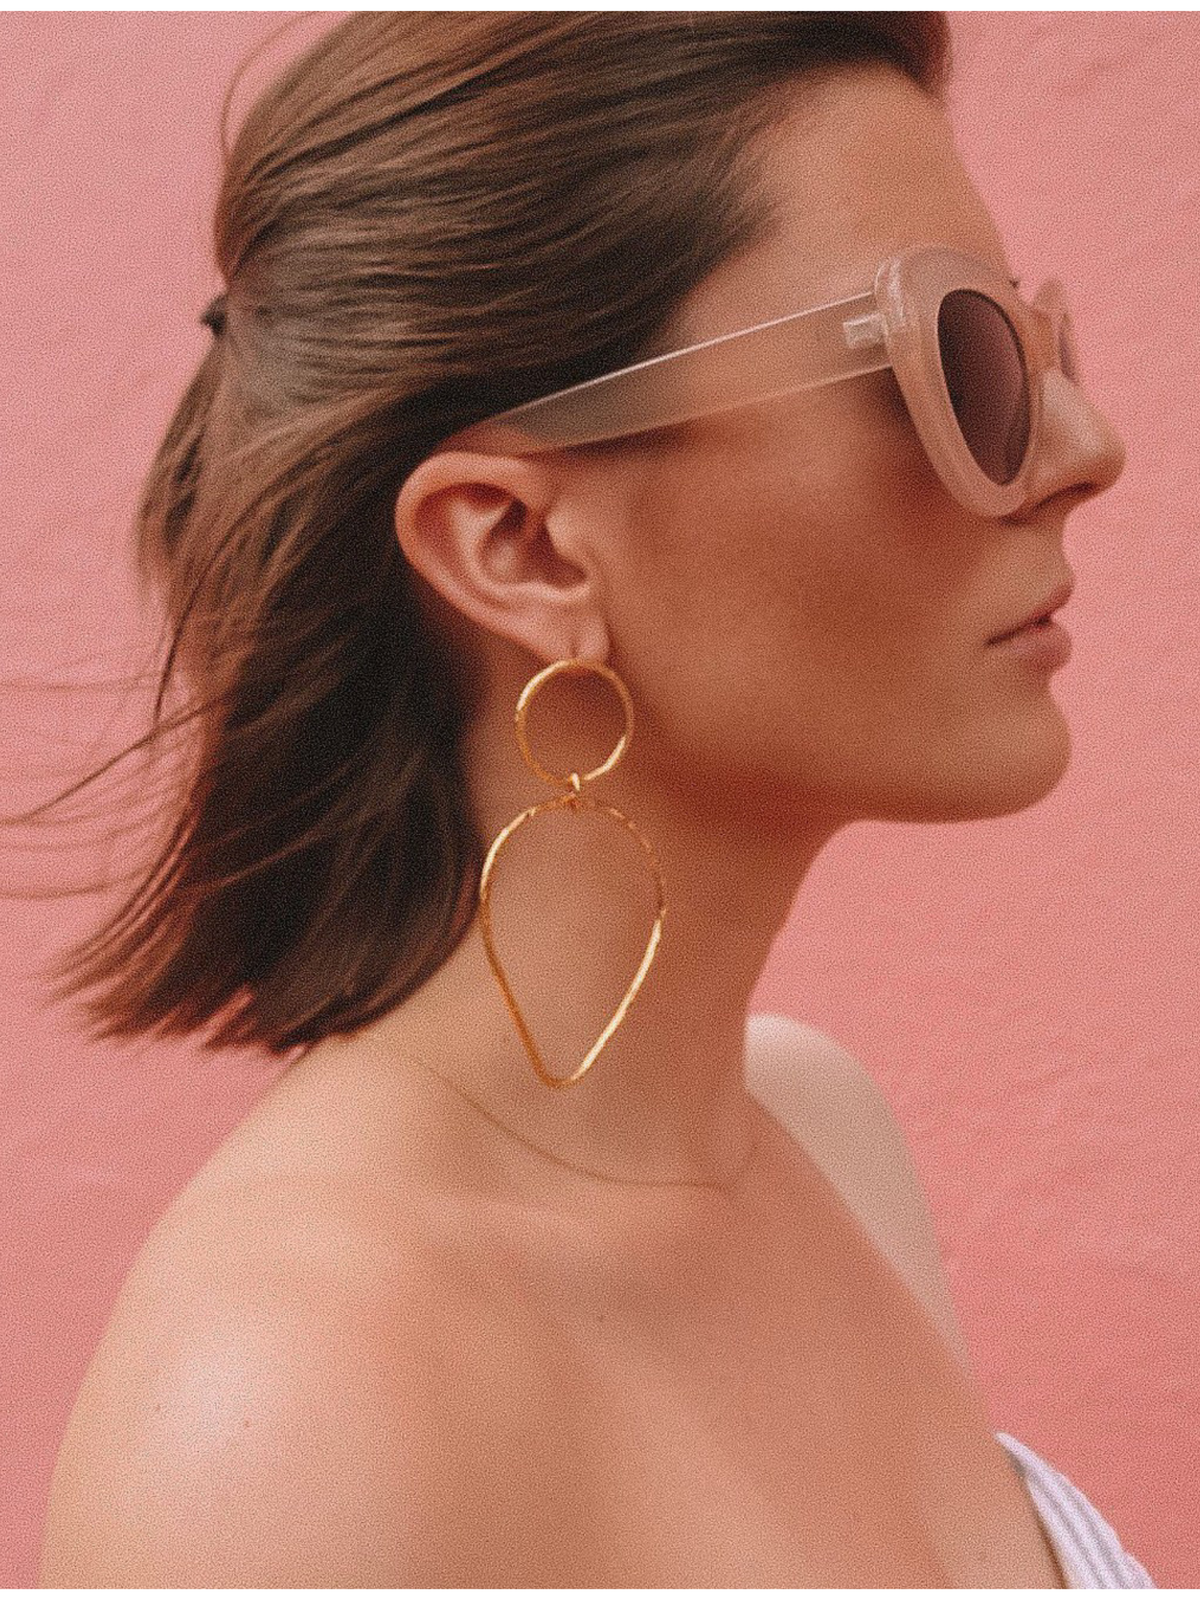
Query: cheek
x=773, y=649
x=783, y=595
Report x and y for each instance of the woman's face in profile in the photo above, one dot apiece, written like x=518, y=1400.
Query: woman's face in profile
x=802, y=599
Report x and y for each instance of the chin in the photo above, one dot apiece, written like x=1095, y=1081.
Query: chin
x=1000, y=773
x=1021, y=773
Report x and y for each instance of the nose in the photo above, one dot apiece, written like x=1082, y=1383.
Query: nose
x=1080, y=453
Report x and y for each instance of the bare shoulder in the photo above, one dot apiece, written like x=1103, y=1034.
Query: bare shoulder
x=829, y=1103
x=266, y=1408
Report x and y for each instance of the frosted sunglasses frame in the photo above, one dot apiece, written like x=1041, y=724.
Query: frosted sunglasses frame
x=894, y=324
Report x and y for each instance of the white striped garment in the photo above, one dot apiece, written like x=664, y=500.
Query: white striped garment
x=1088, y=1549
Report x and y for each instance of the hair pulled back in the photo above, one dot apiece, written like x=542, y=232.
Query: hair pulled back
x=427, y=217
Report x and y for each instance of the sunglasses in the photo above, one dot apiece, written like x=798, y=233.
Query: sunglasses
x=967, y=350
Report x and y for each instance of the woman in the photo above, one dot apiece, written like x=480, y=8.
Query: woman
x=537, y=1265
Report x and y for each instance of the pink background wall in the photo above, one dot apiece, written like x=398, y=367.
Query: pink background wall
x=1024, y=989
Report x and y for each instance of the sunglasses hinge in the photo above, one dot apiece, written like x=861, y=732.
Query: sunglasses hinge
x=863, y=332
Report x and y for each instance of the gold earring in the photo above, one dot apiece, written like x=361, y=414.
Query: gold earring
x=573, y=800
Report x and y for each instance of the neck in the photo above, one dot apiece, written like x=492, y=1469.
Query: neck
x=666, y=1102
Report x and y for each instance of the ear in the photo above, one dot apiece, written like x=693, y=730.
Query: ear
x=500, y=540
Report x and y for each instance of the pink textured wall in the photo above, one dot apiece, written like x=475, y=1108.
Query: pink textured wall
x=1024, y=989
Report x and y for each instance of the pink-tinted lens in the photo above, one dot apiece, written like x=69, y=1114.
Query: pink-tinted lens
x=984, y=369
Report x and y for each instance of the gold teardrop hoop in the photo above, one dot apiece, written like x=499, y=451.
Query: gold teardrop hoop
x=573, y=800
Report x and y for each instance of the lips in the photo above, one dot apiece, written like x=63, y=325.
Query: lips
x=1052, y=602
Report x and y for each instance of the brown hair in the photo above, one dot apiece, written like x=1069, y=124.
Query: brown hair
x=427, y=217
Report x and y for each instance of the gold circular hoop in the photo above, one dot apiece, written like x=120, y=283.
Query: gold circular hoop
x=572, y=800
x=574, y=665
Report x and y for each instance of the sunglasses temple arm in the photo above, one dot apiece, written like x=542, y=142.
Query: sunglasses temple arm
x=789, y=354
